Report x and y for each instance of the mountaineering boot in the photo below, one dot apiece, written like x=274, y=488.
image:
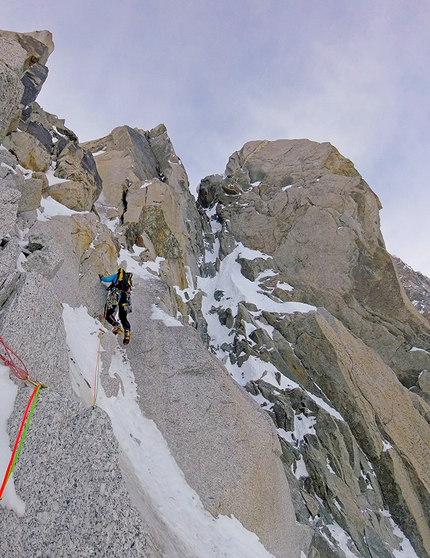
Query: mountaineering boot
x=126, y=337
x=117, y=330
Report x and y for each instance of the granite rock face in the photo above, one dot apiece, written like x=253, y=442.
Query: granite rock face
x=279, y=350
x=312, y=225
x=146, y=199
x=22, y=72
x=275, y=194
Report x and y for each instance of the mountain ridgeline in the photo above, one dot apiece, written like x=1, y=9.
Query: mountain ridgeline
x=293, y=391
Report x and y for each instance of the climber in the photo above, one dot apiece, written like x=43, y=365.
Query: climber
x=119, y=298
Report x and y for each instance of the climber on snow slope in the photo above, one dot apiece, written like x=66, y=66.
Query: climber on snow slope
x=119, y=299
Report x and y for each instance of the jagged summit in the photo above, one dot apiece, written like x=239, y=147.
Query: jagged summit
x=277, y=370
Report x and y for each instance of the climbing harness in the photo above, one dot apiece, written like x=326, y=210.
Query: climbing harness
x=97, y=367
x=21, y=372
x=112, y=298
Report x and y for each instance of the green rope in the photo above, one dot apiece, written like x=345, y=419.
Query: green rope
x=24, y=433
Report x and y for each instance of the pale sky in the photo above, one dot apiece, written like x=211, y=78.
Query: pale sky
x=219, y=73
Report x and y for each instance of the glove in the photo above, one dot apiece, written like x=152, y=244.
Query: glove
x=100, y=276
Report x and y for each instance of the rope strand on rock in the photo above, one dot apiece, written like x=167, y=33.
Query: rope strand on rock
x=19, y=369
x=10, y=359
x=22, y=432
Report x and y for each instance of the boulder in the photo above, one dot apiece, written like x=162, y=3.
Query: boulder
x=9, y=200
x=30, y=187
x=83, y=183
x=31, y=194
x=29, y=151
x=46, y=256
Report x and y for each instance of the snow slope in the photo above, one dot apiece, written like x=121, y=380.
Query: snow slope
x=148, y=454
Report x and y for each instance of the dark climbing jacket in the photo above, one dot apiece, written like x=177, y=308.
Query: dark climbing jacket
x=124, y=280
x=120, y=289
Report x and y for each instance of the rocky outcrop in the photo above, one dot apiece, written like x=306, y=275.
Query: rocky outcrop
x=416, y=285
x=22, y=72
x=298, y=220
x=146, y=199
x=39, y=140
x=275, y=194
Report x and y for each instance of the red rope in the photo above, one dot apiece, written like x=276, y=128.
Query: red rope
x=18, y=367
x=20, y=437
x=20, y=372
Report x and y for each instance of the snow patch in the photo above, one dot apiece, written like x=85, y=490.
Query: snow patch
x=303, y=425
x=52, y=180
x=230, y=280
x=19, y=261
x=82, y=337
x=52, y=208
x=299, y=469
x=386, y=445
x=343, y=540
x=158, y=314
x=8, y=167
x=414, y=349
x=284, y=286
x=139, y=269
x=102, y=206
